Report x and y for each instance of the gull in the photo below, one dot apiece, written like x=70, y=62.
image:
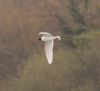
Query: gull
x=48, y=39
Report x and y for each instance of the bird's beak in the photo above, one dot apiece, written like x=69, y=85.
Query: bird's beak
x=39, y=38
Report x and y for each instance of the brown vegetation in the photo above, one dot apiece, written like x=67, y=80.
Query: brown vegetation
x=76, y=65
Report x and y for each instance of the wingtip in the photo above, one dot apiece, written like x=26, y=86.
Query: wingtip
x=49, y=62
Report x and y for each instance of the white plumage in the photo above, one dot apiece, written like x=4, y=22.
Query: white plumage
x=49, y=42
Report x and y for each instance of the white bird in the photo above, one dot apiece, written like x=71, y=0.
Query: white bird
x=49, y=42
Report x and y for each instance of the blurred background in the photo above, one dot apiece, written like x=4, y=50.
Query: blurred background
x=76, y=64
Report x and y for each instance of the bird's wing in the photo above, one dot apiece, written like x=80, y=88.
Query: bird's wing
x=49, y=50
x=45, y=34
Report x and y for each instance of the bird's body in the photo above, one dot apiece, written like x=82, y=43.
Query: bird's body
x=49, y=42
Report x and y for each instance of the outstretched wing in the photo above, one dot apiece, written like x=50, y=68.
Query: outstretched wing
x=45, y=34
x=49, y=50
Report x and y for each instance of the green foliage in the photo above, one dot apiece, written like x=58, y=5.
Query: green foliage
x=75, y=12
x=77, y=16
x=72, y=36
x=86, y=4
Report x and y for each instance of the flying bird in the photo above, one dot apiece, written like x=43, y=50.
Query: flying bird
x=49, y=43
